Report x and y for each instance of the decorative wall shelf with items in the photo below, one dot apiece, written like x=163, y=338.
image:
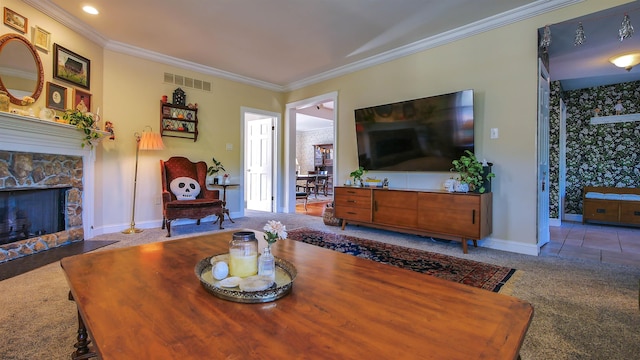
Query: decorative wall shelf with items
x=178, y=121
x=612, y=119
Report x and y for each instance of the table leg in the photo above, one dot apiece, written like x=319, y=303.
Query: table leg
x=82, y=345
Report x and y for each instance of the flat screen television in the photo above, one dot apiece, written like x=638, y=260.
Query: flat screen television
x=423, y=134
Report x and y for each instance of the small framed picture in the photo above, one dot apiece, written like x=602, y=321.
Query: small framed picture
x=41, y=38
x=15, y=20
x=71, y=67
x=56, y=96
x=81, y=101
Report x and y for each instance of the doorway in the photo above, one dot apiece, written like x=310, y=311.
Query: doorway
x=310, y=128
x=260, y=129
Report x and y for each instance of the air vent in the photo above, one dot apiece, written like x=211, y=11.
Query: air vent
x=187, y=82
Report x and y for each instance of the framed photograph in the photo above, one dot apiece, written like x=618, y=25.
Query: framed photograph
x=56, y=96
x=81, y=101
x=71, y=67
x=41, y=38
x=15, y=20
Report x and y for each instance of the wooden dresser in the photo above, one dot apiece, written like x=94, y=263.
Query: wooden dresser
x=440, y=214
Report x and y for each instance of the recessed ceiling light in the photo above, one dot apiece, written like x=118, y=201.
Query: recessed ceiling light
x=90, y=10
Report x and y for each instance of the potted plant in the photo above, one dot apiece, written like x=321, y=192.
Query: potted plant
x=472, y=172
x=85, y=123
x=214, y=169
x=357, y=176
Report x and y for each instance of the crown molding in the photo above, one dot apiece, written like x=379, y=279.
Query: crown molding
x=188, y=65
x=509, y=17
x=58, y=14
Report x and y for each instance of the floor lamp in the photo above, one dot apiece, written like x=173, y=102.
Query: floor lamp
x=147, y=141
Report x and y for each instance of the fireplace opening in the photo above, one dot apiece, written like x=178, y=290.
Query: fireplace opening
x=27, y=213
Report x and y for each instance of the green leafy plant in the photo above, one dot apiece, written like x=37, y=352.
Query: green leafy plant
x=215, y=168
x=358, y=173
x=84, y=123
x=471, y=171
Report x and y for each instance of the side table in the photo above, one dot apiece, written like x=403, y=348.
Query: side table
x=225, y=210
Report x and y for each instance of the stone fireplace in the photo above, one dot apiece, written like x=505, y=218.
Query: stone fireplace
x=37, y=154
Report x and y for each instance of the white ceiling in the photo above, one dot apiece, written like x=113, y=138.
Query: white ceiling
x=588, y=65
x=285, y=44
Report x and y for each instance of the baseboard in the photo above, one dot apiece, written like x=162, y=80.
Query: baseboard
x=573, y=217
x=515, y=247
x=153, y=224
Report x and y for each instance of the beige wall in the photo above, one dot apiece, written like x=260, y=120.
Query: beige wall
x=500, y=65
x=133, y=89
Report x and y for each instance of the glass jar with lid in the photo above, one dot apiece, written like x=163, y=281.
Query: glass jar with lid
x=243, y=254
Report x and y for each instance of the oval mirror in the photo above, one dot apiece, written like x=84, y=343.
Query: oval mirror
x=21, y=72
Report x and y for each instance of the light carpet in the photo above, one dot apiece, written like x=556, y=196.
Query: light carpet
x=583, y=309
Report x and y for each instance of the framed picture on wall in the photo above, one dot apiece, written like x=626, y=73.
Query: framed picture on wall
x=71, y=67
x=41, y=38
x=15, y=20
x=81, y=101
x=56, y=96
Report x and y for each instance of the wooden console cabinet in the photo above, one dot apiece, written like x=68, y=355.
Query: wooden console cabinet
x=440, y=214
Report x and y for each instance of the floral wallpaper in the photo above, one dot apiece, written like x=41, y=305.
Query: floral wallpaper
x=554, y=148
x=596, y=155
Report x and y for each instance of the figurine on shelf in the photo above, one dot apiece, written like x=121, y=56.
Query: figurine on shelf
x=108, y=127
x=619, y=108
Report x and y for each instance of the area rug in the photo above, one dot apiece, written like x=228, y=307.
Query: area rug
x=469, y=272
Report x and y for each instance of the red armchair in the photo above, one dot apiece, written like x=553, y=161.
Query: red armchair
x=185, y=194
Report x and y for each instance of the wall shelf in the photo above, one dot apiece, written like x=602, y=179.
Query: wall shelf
x=596, y=120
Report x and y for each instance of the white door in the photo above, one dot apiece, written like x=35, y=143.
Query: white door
x=259, y=133
x=543, y=155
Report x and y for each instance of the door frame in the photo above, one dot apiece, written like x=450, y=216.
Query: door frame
x=289, y=175
x=542, y=159
x=275, y=154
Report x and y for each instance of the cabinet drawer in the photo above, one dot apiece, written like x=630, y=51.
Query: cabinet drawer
x=353, y=198
x=601, y=210
x=353, y=213
x=629, y=212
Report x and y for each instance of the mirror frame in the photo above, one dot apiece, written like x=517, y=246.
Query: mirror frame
x=4, y=39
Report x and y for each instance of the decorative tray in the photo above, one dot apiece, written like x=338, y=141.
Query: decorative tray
x=285, y=274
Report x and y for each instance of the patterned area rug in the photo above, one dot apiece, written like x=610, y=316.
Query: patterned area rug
x=469, y=272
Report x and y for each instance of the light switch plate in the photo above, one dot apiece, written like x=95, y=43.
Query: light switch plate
x=494, y=133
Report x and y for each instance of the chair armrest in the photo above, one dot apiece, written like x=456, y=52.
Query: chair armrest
x=166, y=197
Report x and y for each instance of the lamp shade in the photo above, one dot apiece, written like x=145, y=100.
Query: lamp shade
x=626, y=61
x=151, y=141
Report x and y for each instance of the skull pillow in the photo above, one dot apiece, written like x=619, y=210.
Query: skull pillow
x=185, y=188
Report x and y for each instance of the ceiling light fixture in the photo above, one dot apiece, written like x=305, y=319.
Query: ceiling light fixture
x=626, y=61
x=90, y=10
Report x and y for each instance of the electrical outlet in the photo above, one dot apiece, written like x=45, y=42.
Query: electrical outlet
x=494, y=133
x=229, y=147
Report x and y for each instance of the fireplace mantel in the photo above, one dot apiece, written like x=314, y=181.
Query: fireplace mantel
x=28, y=134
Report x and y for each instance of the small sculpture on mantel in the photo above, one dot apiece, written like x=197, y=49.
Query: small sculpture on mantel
x=619, y=108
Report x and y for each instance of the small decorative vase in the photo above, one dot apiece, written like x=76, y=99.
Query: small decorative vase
x=4, y=101
x=267, y=264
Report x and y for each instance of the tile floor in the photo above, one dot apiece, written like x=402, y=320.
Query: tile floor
x=604, y=243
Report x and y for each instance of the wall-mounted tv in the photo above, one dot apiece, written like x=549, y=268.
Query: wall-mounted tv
x=416, y=135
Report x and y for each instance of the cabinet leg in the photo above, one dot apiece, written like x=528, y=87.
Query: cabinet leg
x=475, y=243
x=464, y=246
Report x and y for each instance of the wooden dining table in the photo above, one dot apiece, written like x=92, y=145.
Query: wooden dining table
x=146, y=302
